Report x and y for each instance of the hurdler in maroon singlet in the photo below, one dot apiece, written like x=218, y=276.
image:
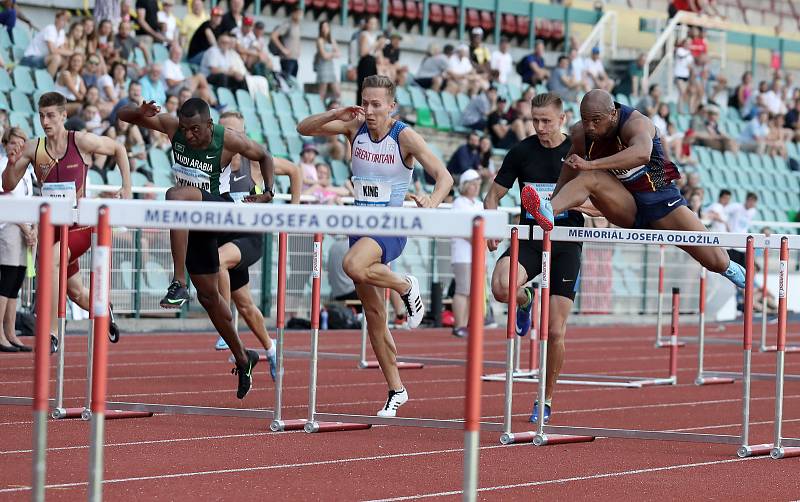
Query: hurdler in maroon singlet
x=65, y=178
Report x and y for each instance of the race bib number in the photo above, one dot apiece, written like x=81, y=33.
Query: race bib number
x=370, y=192
x=545, y=191
x=64, y=190
x=191, y=177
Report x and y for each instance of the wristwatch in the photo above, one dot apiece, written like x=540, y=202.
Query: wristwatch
x=270, y=191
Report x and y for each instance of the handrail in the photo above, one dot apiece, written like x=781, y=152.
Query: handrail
x=598, y=35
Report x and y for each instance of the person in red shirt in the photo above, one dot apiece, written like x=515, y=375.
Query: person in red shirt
x=697, y=45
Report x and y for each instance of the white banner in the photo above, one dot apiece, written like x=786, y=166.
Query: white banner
x=261, y=218
x=26, y=210
x=317, y=265
x=101, y=263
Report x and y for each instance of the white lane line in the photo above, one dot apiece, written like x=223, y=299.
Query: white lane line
x=617, y=474
x=261, y=468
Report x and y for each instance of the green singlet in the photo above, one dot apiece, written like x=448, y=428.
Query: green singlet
x=201, y=168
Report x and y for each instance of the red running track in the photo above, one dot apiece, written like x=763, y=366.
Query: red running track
x=214, y=458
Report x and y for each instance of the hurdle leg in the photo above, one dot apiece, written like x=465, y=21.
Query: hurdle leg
x=278, y=424
x=63, y=248
x=660, y=307
x=362, y=362
x=701, y=379
x=512, y=347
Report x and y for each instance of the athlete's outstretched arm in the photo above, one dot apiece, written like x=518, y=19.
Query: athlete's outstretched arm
x=17, y=165
x=339, y=121
x=285, y=168
x=578, y=148
x=237, y=142
x=146, y=115
x=415, y=147
x=638, y=133
x=103, y=145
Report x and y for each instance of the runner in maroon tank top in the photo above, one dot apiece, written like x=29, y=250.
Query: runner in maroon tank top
x=59, y=162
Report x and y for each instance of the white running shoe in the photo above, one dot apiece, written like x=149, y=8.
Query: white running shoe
x=221, y=344
x=397, y=398
x=413, y=302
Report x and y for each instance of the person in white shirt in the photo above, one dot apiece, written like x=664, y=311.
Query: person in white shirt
x=597, y=72
x=681, y=71
x=739, y=218
x=168, y=21
x=577, y=68
x=773, y=99
x=48, y=49
x=177, y=80
x=469, y=187
x=502, y=61
x=461, y=72
x=717, y=213
x=223, y=66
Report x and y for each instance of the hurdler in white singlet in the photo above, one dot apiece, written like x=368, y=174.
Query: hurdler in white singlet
x=380, y=177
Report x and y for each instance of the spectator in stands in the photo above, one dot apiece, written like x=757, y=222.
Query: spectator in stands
x=48, y=48
x=778, y=136
x=147, y=20
x=286, y=38
x=390, y=62
x=753, y=137
x=134, y=96
x=486, y=168
x=636, y=75
x=93, y=99
x=597, y=72
x=773, y=99
x=711, y=136
x=183, y=96
x=125, y=45
x=432, y=69
x=697, y=42
x=533, y=66
x=112, y=86
x=680, y=145
x=692, y=183
x=195, y=17
x=234, y=17
x=742, y=93
x=756, y=101
x=222, y=65
x=130, y=136
x=177, y=80
x=327, y=52
x=70, y=83
x=105, y=41
x=204, y=37
x=477, y=111
x=718, y=93
x=168, y=23
x=478, y=52
x=502, y=62
x=323, y=190
x=308, y=164
x=90, y=32
x=739, y=218
x=370, y=45
x=342, y=287
x=681, y=72
x=792, y=121
x=520, y=119
x=469, y=186
x=661, y=118
x=500, y=130
x=250, y=45
x=76, y=40
x=93, y=122
x=153, y=87
x=562, y=82
x=577, y=67
x=696, y=204
x=461, y=74
x=466, y=156
x=172, y=105
x=649, y=104
x=717, y=213
x=8, y=17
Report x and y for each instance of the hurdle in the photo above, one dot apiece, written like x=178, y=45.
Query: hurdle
x=596, y=380
x=550, y=434
x=764, y=291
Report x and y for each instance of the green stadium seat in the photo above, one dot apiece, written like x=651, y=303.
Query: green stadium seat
x=263, y=104
x=315, y=104
x=277, y=147
x=5, y=81
x=623, y=99
x=138, y=179
x=281, y=104
x=463, y=100
x=682, y=122
x=245, y=101
x=17, y=53
x=443, y=122
x=227, y=99
x=20, y=102
x=3, y=100
x=38, y=130
x=137, y=57
x=22, y=37
x=163, y=178
x=449, y=102
x=187, y=69
x=340, y=171
x=434, y=101
x=287, y=125
x=299, y=106
x=23, y=81
x=44, y=82
x=159, y=52
x=5, y=41
x=780, y=163
x=425, y=118
x=744, y=160
x=21, y=120
x=159, y=160
x=95, y=178
x=295, y=146
x=717, y=159
x=731, y=160
x=214, y=115
x=269, y=122
x=755, y=161
x=403, y=97
x=114, y=177
x=514, y=92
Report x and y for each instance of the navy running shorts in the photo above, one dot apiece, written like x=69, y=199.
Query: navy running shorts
x=652, y=206
x=391, y=247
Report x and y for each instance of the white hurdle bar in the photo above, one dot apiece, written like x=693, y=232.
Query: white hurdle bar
x=549, y=434
x=262, y=218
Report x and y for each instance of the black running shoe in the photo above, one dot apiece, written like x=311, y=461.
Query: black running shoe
x=245, y=374
x=53, y=344
x=177, y=295
x=113, y=330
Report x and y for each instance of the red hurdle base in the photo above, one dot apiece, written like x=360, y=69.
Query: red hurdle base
x=109, y=415
x=400, y=365
x=340, y=426
x=666, y=345
x=713, y=381
x=551, y=439
x=773, y=348
x=754, y=450
x=784, y=452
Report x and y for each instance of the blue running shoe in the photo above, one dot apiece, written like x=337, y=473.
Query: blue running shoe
x=736, y=274
x=535, y=415
x=523, y=324
x=221, y=344
x=273, y=364
x=540, y=210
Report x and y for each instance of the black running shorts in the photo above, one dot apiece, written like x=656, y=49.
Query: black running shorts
x=565, y=265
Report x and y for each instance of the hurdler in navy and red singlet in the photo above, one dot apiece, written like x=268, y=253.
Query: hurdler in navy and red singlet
x=617, y=161
x=60, y=165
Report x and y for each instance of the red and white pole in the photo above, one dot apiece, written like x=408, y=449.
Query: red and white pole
x=101, y=267
x=765, y=275
x=779, y=451
x=511, y=341
x=280, y=315
x=673, y=339
x=41, y=375
x=533, y=353
x=316, y=267
x=660, y=311
x=472, y=412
